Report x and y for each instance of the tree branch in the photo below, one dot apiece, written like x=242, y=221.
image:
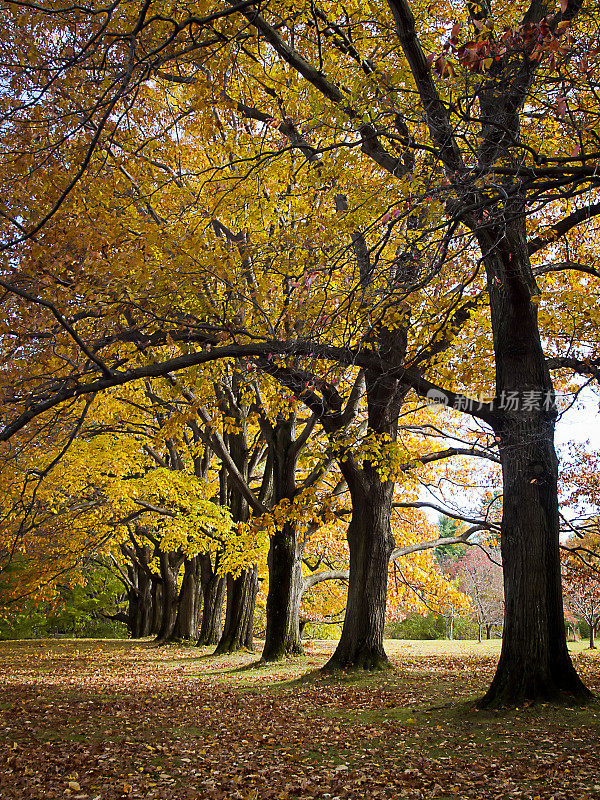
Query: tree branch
x=435, y=112
x=562, y=227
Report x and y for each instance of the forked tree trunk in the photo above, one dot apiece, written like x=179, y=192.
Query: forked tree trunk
x=139, y=594
x=282, y=636
x=370, y=539
x=241, y=591
x=534, y=663
x=371, y=543
x=239, y=619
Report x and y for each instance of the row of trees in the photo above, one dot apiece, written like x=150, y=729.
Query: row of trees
x=178, y=530
x=359, y=205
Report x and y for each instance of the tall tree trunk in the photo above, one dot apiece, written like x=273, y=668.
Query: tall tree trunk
x=369, y=533
x=198, y=597
x=488, y=631
x=213, y=592
x=170, y=564
x=282, y=636
x=144, y=605
x=132, y=601
x=592, y=631
x=140, y=592
x=534, y=663
x=169, y=611
x=186, y=624
x=371, y=543
x=156, y=607
x=241, y=591
x=239, y=619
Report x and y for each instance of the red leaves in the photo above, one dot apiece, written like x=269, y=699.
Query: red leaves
x=536, y=40
x=478, y=56
x=561, y=107
x=443, y=67
x=394, y=214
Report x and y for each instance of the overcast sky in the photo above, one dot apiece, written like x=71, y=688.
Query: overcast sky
x=580, y=422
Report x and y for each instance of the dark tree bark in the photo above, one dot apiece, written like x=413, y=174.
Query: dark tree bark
x=534, y=663
x=369, y=534
x=139, y=593
x=143, y=618
x=198, y=598
x=282, y=636
x=241, y=591
x=239, y=619
x=371, y=543
x=213, y=591
x=186, y=624
x=156, y=606
x=170, y=564
x=130, y=618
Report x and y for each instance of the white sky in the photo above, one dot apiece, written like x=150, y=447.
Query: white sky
x=581, y=422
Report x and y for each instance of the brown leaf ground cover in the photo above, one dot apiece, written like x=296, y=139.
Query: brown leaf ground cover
x=107, y=720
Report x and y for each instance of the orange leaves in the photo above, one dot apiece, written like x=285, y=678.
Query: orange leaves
x=416, y=582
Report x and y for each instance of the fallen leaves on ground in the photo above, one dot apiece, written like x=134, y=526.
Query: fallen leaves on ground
x=107, y=720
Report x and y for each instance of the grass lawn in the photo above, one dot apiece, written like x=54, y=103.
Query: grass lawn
x=118, y=719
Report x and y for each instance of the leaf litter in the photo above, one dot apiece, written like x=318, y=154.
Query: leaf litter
x=94, y=720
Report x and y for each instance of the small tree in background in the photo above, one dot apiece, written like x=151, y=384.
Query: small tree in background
x=581, y=580
x=479, y=575
x=449, y=528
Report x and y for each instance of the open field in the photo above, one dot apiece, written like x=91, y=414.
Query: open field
x=120, y=719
